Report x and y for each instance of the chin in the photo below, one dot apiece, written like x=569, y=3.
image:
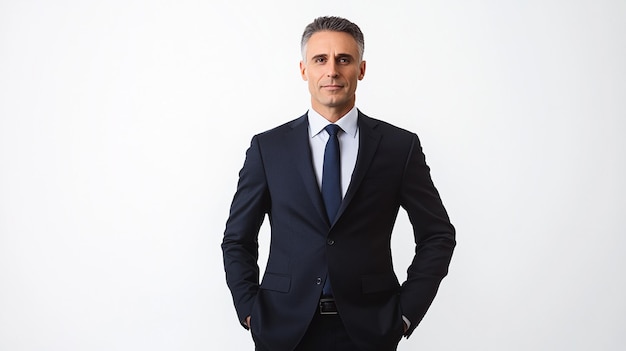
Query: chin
x=335, y=102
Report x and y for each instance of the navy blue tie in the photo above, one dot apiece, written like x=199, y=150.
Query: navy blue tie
x=331, y=183
x=331, y=174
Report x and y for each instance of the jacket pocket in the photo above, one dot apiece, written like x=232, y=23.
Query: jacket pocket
x=374, y=283
x=276, y=282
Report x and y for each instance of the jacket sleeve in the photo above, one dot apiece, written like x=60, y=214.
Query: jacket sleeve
x=434, y=237
x=240, y=243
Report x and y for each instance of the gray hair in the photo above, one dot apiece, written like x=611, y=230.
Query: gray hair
x=333, y=24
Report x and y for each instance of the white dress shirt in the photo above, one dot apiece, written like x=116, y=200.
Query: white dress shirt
x=348, y=144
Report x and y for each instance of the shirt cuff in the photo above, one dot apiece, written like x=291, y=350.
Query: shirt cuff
x=407, y=321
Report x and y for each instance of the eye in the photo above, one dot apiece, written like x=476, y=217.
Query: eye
x=344, y=60
x=319, y=60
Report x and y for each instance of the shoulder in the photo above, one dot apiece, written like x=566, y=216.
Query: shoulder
x=384, y=128
x=300, y=122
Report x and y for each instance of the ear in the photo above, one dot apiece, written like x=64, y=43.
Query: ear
x=303, y=71
x=361, y=70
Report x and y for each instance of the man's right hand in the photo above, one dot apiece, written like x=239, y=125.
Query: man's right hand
x=248, y=322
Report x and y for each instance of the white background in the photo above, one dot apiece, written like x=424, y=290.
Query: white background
x=123, y=125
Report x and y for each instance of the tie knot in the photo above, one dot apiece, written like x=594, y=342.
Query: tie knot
x=332, y=129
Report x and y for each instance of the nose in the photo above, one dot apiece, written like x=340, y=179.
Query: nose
x=332, y=70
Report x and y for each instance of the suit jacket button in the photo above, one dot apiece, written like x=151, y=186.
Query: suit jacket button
x=331, y=242
x=318, y=281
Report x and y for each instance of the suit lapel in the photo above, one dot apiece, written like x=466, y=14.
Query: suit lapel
x=369, y=139
x=300, y=150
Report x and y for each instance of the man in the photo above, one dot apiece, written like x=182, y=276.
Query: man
x=332, y=195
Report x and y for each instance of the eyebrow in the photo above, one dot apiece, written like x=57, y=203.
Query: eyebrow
x=337, y=56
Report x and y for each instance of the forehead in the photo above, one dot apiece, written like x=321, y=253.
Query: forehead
x=331, y=43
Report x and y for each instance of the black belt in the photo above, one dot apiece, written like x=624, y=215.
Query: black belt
x=327, y=306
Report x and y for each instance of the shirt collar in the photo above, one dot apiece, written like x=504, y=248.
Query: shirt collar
x=347, y=122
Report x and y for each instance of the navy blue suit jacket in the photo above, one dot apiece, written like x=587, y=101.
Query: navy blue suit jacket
x=278, y=179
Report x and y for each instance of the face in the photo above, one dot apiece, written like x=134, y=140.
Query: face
x=332, y=68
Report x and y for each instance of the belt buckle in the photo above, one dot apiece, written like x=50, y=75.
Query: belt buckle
x=327, y=306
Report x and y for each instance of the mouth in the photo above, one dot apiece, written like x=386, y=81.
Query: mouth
x=332, y=87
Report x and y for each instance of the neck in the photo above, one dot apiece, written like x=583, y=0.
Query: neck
x=332, y=114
